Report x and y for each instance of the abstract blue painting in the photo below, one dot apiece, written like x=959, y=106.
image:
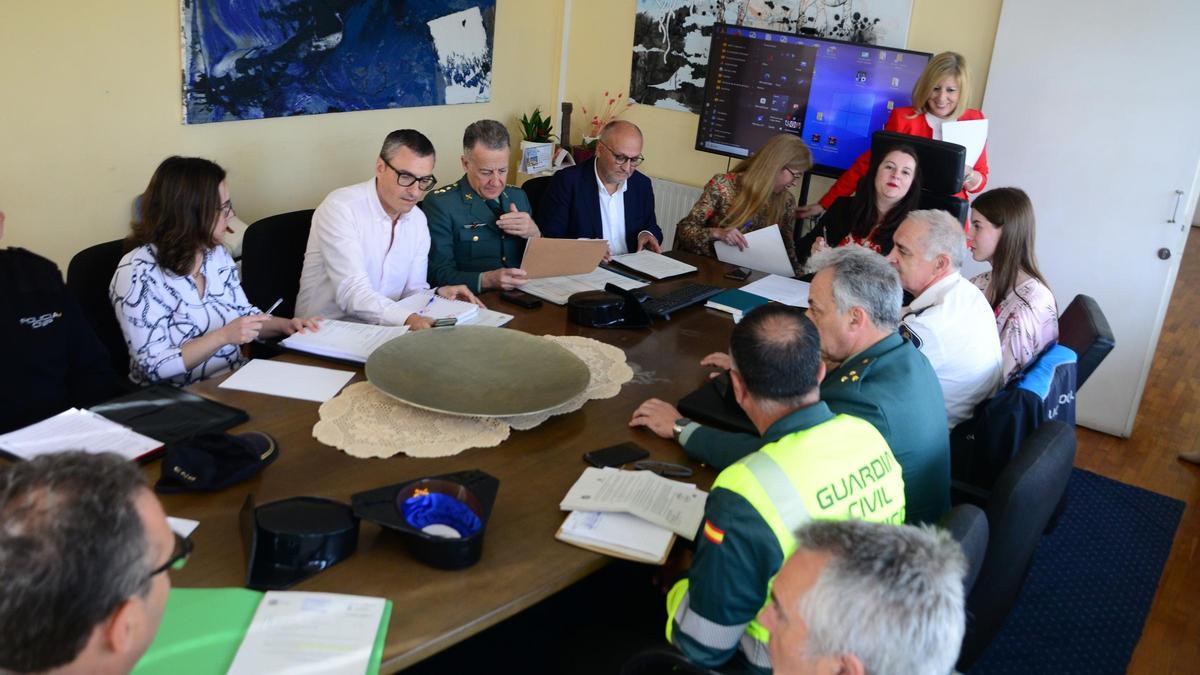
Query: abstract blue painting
x=250, y=59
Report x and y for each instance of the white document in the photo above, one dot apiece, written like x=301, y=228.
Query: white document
x=654, y=265
x=487, y=317
x=77, y=429
x=676, y=506
x=437, y=307
x=184, y=527
x=971, y=134
x=290, y=380
x=310, y=633
x=620, y=532
x=780, y=289
x=344, y=339
x=765, y=252
x=558, y=289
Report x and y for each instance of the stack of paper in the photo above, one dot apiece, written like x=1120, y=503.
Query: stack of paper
x=77, y=429
x=487, y=317
x=438, y=307
x=653, y=265
x=343, y=339
x=290, y=380
x=558, y=289
x=780, y=289
x=630, y=514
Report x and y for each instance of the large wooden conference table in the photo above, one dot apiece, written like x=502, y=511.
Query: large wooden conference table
x=522, y=562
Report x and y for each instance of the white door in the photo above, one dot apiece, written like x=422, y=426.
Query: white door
x=1095, y=112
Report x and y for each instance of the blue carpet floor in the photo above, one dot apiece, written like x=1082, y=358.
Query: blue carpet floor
x=1085, y=601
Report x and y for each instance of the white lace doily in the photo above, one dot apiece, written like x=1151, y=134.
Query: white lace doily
x=365, y=422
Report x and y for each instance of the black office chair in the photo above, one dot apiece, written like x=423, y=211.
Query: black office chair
x=272, y=258
x=662, y=660
x=968, y=525
x=955, y=206
x=535, y=188
x=88, y=276
x=1021, y=504
x=1083, y=328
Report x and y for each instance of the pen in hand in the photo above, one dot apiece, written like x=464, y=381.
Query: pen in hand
x=274, y=307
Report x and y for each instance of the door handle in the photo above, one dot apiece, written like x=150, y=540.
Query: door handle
x=1175, y=211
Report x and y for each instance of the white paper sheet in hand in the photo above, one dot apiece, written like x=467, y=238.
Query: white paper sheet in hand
x=290, y=380
x=765, y=252
x=971, y=134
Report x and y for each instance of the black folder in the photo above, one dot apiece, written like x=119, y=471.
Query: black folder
x=169, y=414
x=714, y=404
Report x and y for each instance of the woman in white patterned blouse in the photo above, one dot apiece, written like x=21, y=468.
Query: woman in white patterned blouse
x=177, y=294
x=1002, y=233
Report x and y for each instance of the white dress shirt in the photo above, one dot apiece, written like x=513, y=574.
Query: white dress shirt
x=953, y=325
x=358, y=265
x=159, y=311
x=612, y=215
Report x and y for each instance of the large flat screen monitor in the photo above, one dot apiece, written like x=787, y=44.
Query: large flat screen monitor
x=833, y=94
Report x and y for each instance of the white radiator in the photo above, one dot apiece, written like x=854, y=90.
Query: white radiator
x=672, y=201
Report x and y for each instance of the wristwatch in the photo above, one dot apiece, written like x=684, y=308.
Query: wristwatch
x=679, y=426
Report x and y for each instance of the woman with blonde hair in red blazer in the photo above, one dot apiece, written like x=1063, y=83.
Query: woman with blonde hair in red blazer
x=940, y=95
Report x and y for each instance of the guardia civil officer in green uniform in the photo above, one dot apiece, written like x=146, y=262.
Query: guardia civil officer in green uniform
x=874, y=374
x=819, y=466
x=479, y=225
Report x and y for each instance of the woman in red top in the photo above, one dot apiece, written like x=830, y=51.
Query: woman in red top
x=940, y=95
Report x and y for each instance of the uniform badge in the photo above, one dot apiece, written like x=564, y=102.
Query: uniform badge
x=713, y=533
x=908, y=334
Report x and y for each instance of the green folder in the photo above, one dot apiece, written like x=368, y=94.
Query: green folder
x=734, y=300
x=202, y=629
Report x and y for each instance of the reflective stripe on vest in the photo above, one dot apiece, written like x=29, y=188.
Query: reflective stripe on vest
x=755, y=651
x=708, y=633
x=837, y=470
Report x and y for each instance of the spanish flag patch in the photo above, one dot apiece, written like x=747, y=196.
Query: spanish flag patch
x=714, y=534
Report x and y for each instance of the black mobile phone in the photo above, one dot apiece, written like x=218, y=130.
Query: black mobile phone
x=738, y=273
x=615, y=455
x=448, y=321
x=521, y=299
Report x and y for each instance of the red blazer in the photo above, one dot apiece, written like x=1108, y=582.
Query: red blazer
x=901, y=121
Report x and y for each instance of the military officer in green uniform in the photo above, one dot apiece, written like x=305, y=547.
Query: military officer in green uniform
x=873, y=373
x=821, y=466
x=479, y=225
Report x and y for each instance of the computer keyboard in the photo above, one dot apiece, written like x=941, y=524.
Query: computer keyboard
x=685, y=296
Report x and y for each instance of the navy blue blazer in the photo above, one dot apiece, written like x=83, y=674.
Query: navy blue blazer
x=570, y=209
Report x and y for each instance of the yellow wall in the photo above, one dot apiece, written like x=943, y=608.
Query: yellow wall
x=602, y=32
x=90, y=104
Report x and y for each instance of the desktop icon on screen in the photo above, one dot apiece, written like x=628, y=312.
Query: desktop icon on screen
x=820, y=116
x=895, y=82
x=832, y=140
x=865, y=54
x=816, y=138
x=861, y=77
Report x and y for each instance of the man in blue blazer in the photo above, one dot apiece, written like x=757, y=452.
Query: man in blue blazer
x=605, y=197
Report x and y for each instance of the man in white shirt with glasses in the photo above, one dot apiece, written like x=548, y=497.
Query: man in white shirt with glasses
x=368, y=250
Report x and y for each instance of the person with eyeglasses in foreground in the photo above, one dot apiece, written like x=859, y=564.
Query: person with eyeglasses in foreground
x=368, y=250
x=479, y=225
x=753, y=196
x=177, y=293
x=84, y=552
x=820, y=465
x=605, y=197
x=859, y=597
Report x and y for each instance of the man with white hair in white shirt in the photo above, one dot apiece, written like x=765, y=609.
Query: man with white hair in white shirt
x=949, y=320
x=368, y=250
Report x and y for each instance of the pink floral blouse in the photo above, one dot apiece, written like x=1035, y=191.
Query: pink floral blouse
x=1027, y=319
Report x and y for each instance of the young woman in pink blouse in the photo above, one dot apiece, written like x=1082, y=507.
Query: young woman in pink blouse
x=1002, y=233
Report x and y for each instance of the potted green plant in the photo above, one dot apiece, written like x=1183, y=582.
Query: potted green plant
x=537, y=145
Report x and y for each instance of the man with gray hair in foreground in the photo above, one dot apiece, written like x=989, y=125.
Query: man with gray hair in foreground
x=84, y=551
x=873, y=373
x=859, y=597
x=949, y=320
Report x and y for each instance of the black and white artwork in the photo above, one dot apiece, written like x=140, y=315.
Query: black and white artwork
x=671, y=37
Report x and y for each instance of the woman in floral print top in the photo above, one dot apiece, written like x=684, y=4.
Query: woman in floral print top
x=752, y=196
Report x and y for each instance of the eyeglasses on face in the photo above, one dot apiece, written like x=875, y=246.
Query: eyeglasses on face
x=406, y=179
x=179, y=556
x=227, y=208
x=623, y=159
